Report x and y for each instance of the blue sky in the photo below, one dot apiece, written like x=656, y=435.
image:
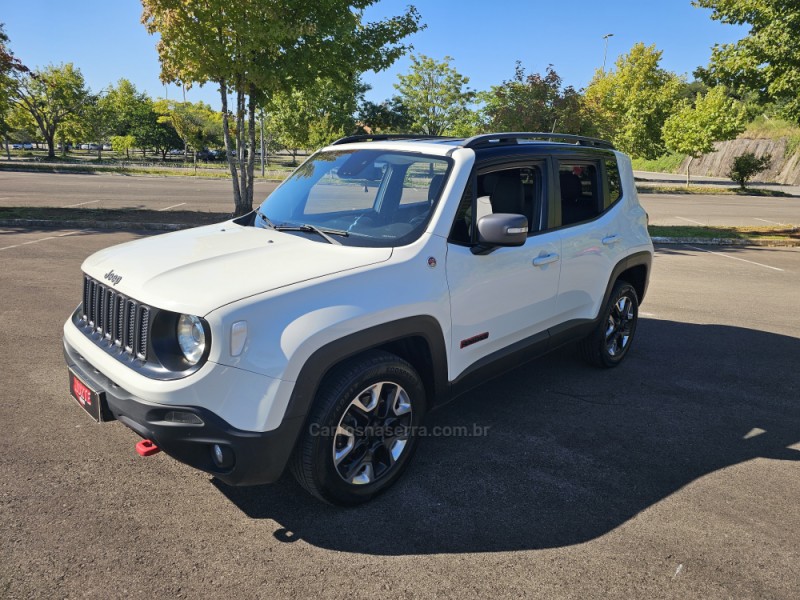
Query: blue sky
x=105, y=39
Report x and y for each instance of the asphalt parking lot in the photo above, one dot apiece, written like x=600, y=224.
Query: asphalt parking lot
x=676, y=475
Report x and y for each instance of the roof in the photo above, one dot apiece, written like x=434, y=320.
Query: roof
x=483, y=141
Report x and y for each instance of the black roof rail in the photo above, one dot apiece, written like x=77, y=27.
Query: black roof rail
x=514, y=138
x=380, y=137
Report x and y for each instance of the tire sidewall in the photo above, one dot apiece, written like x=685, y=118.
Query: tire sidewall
x=620, y=290
x=336, y=401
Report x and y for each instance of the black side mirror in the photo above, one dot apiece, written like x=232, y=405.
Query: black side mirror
x=502, y=229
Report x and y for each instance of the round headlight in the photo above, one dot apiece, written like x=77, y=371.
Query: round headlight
x=191, y=338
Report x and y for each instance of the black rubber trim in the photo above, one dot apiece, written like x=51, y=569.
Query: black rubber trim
x=500, y=362
x=643, y=258
x=257, y=457
x=326, y=357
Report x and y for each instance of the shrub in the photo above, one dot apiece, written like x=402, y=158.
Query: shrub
x=745, y=166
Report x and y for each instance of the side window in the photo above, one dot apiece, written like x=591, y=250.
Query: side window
x=580, y=191
x=516, y=191
x=614, y=182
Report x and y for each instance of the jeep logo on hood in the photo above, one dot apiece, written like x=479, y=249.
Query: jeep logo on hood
x=113, y=277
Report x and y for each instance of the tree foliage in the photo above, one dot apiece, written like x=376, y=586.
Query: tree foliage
x=631, y=102
x=746, y=166
x=435, y=95
x=693, y=130
x=534, y=102
x=196, y=124
x=390, y=116
x=767, y=59
x=10, y=66
x=320, y=113
x=51, y=95
x=252, y=49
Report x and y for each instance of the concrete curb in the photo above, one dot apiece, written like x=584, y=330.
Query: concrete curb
x=121, y=226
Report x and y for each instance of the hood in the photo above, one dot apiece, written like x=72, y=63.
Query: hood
x=197, y=270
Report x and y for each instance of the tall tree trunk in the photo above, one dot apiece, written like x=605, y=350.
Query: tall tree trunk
x=245, y=181
x=51, y=146
x=251, y=138
x=688, y=172
x=226, y=134
x=8, y=150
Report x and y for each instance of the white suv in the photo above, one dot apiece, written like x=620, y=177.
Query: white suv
x=384, y=276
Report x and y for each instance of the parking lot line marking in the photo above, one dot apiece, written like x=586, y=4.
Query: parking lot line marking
x=690, y=221
x=173, y=206
x=734, y=258
x=52, y=237
x=768, y=221
x=80, y=204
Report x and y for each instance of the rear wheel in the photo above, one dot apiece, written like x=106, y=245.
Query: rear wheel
x=360, y=435
x=610, y=342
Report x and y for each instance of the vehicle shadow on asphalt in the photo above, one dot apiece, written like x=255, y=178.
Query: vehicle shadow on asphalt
x=571, y=452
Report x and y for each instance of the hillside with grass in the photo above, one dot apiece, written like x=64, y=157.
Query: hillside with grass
x=775, y=137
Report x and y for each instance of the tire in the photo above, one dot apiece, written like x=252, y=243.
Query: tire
x=609, y=344
x=361, y=432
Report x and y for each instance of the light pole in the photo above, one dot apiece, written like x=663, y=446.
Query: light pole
x=605, y=49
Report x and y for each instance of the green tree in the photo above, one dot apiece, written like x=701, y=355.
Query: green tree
x=629, y=104
x=160, y=135
x=390, y=116
x=435, y=94
x=693, y=130
x=196, y=124
x=746, y=166
x=96, y=123
x=9, y=67
x=316, y=115
x=534, y=102
x=51, y=95
x=767, y=59
x=252, y=49
x=130, y=113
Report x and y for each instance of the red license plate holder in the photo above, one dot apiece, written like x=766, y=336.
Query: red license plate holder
x=90, y=400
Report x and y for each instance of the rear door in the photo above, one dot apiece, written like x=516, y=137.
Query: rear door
x=588, y=213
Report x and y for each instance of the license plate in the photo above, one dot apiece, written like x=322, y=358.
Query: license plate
x=89, y=399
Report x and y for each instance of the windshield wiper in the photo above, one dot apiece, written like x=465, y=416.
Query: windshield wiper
x=314, y=229
x=267, y=222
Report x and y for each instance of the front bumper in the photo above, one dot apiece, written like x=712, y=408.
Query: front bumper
x=257, y=457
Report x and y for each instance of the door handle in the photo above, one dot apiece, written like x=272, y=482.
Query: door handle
x=611, y=239
x=546, y=259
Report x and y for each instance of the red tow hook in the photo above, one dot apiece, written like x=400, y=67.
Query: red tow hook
x=147, y=448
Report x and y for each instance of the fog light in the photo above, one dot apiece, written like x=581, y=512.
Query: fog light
x=219, y=457
x=222, y=455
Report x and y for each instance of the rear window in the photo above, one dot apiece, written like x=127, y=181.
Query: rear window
x=614, y=182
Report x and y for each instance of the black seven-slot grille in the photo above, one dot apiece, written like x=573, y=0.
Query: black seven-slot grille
x=120, y=320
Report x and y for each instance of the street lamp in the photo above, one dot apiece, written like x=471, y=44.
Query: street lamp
x=605, y=49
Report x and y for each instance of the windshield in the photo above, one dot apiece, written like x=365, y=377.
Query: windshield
x=377, y=198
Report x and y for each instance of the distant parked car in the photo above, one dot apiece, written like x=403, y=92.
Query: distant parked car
x=209, y=155
x=106, y=146
x=22, y=146
x=176, y=151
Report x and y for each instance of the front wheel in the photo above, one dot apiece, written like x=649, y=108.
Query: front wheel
x=610, y=342
x=360, y=435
